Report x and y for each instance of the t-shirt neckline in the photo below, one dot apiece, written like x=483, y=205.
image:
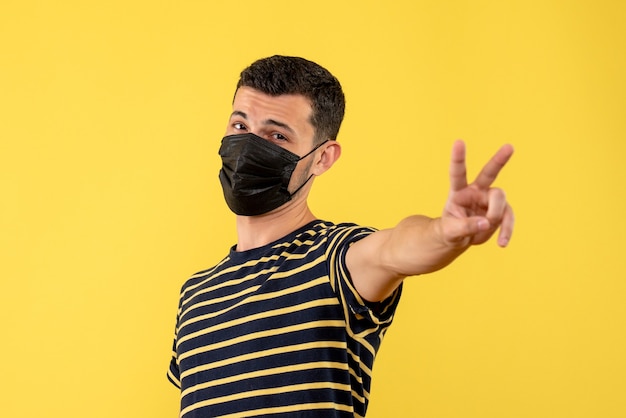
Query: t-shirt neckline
x=259, y=251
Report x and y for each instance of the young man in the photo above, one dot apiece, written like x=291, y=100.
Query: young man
x=289, y=322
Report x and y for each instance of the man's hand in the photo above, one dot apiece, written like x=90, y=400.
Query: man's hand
x=419, y=244
x=475, y=211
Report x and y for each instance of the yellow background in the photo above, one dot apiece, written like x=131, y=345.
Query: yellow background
x=111, y=114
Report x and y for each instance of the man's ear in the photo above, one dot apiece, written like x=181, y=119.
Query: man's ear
x=329, y=153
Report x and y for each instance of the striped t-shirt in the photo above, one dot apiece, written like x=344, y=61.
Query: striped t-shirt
x=279, y=331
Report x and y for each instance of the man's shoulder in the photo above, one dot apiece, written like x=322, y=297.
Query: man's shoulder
x=201, y=276
x=321, y=230
x=349, y=229
x=340, y=226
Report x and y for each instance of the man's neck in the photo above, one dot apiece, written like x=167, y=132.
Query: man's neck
x=257, y=231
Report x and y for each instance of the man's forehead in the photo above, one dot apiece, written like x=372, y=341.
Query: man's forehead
x=254, y=103
x=246, y=91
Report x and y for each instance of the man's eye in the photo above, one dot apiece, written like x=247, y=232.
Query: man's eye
x=239, y=126
x=279, y=137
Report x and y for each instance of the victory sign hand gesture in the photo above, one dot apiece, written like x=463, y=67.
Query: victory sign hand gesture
x=475, y=211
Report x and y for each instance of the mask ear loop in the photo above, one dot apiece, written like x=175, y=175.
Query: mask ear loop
x=311, y=176
x=313, y=150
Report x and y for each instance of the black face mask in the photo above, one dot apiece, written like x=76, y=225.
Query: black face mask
x=255, y=174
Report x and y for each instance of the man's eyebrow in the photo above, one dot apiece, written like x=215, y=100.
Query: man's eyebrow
x=265, y=122
x=239, y=113
x=279, y=124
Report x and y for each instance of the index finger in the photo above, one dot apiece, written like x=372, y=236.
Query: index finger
x=490, y=171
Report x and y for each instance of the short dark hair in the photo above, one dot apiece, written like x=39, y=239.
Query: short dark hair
x=278, y=75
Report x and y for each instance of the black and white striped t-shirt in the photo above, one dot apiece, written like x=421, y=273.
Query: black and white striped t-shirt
x=279, y=331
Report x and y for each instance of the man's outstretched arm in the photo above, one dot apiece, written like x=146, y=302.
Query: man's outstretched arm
x=419, y=244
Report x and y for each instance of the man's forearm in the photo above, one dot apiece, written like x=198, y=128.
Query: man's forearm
x=417, y=246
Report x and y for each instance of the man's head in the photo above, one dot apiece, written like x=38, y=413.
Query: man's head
x=279, y=75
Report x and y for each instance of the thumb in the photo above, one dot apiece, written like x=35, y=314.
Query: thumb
x=458, y=230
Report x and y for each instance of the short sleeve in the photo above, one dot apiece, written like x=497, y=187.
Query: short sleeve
x=360, y=313
x=173, y=372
